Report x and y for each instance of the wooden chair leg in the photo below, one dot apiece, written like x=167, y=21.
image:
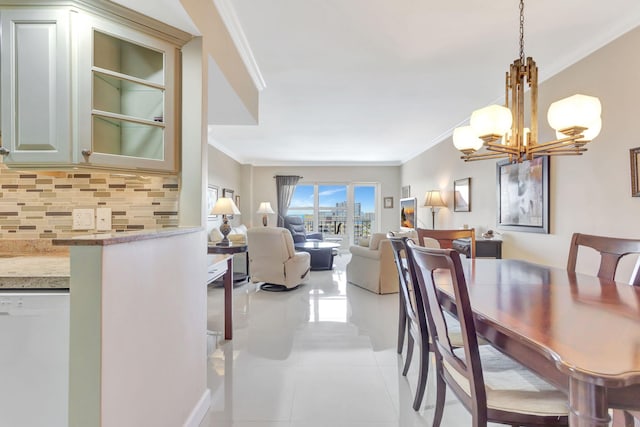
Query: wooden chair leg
x=402, y=324
x=407, y=361
x=441, y=391
x=422, y=377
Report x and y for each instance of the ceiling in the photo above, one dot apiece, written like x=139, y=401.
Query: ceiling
x=377, y=81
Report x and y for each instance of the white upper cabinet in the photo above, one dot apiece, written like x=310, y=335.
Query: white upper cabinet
x=85, y=87
x=126, y=99
x=36, y=75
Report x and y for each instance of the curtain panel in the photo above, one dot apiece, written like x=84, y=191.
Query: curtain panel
x=285, y=185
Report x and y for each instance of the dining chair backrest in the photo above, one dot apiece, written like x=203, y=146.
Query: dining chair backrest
x=446, y=237
x=446, y=265
x=611, y=250
x=430, y=242
x=409, y=294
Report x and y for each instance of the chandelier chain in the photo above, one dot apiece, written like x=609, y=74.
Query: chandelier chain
x=522, y=31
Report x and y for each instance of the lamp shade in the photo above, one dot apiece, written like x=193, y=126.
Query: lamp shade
x=577, y=110
x=464, y=138
x=491, y=120
x=225, y=206
x=433, y=199
x=265, y=208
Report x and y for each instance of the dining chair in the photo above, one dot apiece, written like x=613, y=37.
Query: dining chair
x=446, y=237
x=402, y=323
x=611, y=250
x=492, y=386
x=412, y=320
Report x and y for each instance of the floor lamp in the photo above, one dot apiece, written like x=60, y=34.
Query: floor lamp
x=433, y=200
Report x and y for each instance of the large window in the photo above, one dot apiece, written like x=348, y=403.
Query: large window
x=303, y=204
x=332, y=209
x=364, y=211
x=337, y=210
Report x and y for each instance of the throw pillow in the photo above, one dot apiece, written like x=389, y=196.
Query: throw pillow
x=375, y=239
x=215, y=235
x=237, y=238
x=364, y=241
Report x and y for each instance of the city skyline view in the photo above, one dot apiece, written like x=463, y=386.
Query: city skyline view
x=332, y=208
x=332, y=196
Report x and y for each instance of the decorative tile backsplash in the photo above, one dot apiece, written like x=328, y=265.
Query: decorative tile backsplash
x=39, y=204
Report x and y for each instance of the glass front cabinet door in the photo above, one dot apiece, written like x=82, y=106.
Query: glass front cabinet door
x=126, y=98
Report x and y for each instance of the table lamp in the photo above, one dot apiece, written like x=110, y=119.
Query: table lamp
x=433, y=200
x=225, y=206
x=264, y=209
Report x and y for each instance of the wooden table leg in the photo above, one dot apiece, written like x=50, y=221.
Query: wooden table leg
x=587, y=404
x=228, y=300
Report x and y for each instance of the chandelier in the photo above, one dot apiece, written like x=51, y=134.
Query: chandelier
x=501, y=130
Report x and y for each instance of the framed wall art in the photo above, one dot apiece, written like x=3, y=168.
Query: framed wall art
x=212, y=197
x=227, y=192
x=523, y=195
x=406, y=191
x=462, y=195
x=408, y=214
x=635, y=171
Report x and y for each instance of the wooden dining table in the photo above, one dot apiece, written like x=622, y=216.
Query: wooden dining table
x=579, y=332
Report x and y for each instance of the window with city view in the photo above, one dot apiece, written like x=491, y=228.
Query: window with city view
x=326, y=208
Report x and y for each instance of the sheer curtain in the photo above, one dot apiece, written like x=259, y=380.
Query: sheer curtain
x=285, y=185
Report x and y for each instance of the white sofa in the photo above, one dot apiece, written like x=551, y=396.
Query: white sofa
x=372, y=266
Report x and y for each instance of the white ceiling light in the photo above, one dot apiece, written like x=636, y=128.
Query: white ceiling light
x=576, y=119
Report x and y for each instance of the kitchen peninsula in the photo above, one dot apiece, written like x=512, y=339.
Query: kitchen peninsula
x=138, y=328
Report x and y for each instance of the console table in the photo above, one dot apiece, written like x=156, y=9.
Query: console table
x=485, y=248
x=215, y=269
x=231, y=249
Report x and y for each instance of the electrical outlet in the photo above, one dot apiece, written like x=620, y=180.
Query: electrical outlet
x=84, y=219
x=103, y=219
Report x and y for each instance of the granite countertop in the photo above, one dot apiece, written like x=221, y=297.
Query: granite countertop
x=105, y=239
x=36, y=270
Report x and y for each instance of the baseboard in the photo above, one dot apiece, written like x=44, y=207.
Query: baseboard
x=198, y=412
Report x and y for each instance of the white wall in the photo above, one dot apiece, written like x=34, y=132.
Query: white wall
x=589, y=193
x=264, y=186
x=138, y=332
x=225, y=172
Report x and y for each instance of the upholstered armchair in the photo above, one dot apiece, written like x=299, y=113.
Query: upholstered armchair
x=295, y=224
x=273, y=258
x=372, y=266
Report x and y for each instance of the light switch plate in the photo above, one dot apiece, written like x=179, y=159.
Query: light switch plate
x=103, y=219
x=83, y=219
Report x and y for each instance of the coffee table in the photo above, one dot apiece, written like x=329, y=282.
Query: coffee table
x=322, y=253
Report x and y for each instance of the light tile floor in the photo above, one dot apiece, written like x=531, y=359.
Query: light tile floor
x=318, y=356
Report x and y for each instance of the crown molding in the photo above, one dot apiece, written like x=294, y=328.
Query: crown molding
x=110, y=10
x=230, y=19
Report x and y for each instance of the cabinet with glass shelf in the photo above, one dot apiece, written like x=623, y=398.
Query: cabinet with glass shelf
x=129, y=119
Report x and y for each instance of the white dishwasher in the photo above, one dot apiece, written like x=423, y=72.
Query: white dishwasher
x=34, y=359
